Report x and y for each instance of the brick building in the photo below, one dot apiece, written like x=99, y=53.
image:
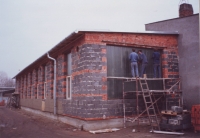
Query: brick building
x=84, y=62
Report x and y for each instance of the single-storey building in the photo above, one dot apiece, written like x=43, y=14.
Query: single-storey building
x=80, y=79
x=5, y=93
x=74, y=78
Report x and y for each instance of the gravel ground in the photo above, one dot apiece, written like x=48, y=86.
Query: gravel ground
x=16, y=123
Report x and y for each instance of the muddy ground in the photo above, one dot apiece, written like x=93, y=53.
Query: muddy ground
x=16, y=123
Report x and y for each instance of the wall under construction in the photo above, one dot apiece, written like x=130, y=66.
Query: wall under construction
x=89, y=71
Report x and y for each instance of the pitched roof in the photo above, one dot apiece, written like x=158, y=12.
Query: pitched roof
x=78, y=33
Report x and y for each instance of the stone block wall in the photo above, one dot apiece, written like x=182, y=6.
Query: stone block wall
x=170, y=64
x=89, y=70
x=89, y=75
x=89, y=87
x=94, y=108
x=61, y=76
x=49, y=79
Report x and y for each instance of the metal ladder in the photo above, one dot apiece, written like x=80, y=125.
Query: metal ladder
x=153, y=119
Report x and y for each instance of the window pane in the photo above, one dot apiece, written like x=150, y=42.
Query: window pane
x=69, y=64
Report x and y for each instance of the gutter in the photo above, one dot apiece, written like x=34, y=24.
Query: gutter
x=54, y=83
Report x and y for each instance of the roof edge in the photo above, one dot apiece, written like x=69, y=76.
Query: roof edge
x=136, y=32
x=97, y=31
x=173, y=19
x=45, y=54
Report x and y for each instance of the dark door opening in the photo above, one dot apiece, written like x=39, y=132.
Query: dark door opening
x=118, y=65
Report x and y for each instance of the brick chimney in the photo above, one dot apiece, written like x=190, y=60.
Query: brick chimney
x=185, y=9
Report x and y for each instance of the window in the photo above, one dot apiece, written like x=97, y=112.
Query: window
x=37, y=91
x=25, y=90
x=68, y=88
x=68, y=78
x=32, y=91
x=69, y=64
x=45, y=90
x=45, y=82
x=45, y=74
x=21, y=88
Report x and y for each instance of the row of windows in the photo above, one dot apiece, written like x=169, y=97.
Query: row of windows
x=68, y=81
x=68, y=89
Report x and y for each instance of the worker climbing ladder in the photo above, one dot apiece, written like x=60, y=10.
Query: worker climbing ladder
x=153, y=119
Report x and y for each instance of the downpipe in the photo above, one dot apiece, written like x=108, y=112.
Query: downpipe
x=54, y=83
x=166, y=132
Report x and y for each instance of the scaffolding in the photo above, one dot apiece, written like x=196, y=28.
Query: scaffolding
x=150, y=104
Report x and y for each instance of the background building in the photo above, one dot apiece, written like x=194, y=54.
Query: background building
x=5, y=92
x=187, y=26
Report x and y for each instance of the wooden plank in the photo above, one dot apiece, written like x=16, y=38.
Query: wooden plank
x=168, y=112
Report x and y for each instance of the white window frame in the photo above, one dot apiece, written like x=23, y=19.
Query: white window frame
x=68, y=87
x=45, y=88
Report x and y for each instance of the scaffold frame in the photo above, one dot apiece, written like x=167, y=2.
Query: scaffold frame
x=138, y=93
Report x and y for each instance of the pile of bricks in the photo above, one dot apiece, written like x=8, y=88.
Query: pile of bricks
x=196, y=117
x=2, y=103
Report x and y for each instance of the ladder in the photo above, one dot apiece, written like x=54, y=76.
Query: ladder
x=153, y=119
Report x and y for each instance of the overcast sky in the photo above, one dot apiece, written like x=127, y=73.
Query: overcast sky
x=28, y=28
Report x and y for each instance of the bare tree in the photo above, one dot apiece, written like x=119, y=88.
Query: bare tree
x=5, y=81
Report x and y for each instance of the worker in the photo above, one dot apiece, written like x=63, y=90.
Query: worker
x=156, y=63
x=133, y=57
x=143, y=60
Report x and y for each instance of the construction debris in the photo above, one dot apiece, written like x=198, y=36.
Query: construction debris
x=133, y=130
x=104, y=130
x=165, y=132
x=175, y=119
x=168, y=112
x=196, y=117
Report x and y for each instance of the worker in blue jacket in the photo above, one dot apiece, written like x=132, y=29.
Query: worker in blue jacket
x=143, y=60
x=133, y=57
x=156, y=63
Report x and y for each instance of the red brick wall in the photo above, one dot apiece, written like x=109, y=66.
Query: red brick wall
x=148, y=40
x=168, y=43
x=185, y=10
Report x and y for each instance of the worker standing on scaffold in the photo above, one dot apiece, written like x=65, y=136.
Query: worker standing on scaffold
x=134, y=65
x=143, y=60
x=156, y=63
